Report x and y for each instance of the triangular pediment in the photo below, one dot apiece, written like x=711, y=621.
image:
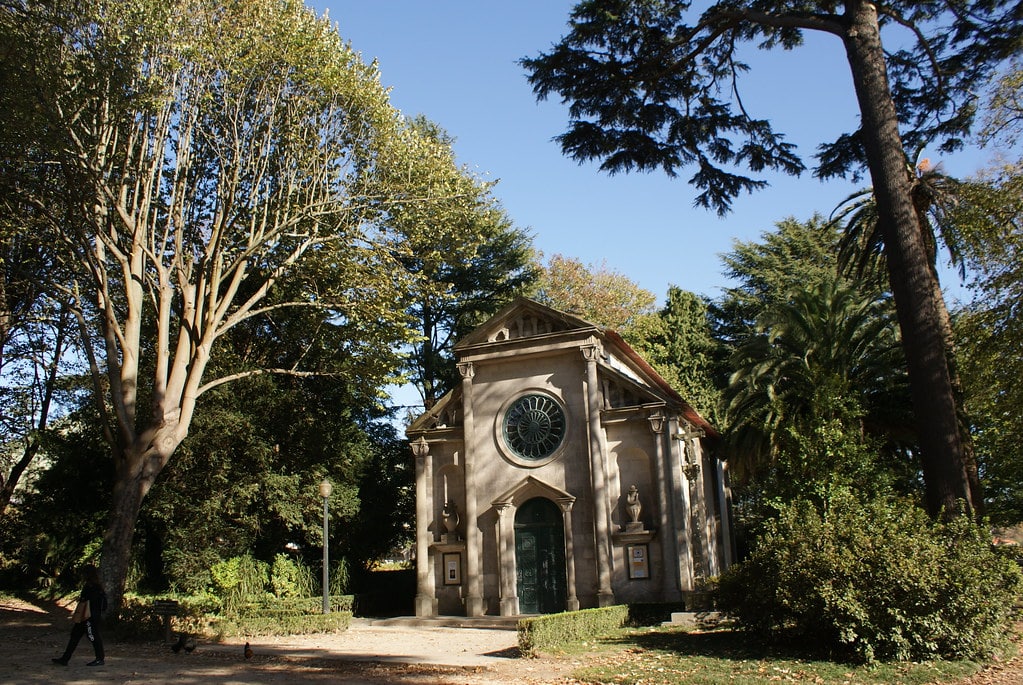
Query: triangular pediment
x=524, y=318
x=528, y=488
x=446, y=413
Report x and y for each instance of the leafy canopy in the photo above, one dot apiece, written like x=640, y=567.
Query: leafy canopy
x=652, y=84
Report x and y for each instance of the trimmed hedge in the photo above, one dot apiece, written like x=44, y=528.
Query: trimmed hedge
x=136, y=619
x=284, y=624
x=204, y=615
x=288, y=606
x=552, y=631
x=288, y=616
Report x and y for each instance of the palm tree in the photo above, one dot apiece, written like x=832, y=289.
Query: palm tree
x=936, y=199
x=829, y=355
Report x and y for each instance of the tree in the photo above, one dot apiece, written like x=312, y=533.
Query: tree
x=935, y=199
x=990, y=333
x=217, y=155
x=764, y=272
x=35, y=323
x=1003, y=120
x=827, y=358
x=677, y=342
x=648, y=90
x=595, y=293
x=466, y=256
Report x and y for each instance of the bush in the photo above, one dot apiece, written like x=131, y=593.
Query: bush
x=202, y=615
x=285, y=624
x=552, y=631
x=136, y=618
x=296, y=606
x=290, y=578
x=875, y=580
x=239, y=579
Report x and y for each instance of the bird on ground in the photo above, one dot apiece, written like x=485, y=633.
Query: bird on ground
x=190, y=647
x=248, y=651
x=176, y=647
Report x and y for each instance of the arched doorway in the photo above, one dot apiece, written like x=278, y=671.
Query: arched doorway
x=540, y=557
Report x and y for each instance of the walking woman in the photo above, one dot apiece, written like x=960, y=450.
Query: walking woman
x=88, y=618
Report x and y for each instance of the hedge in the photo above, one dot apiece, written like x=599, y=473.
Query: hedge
x=552, y=631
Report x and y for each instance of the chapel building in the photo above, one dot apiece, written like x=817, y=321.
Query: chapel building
x=563, y=473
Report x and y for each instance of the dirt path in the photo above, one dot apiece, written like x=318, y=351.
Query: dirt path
x=366, y=654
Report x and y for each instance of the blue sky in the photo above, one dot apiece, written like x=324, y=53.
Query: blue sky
x=455, y=61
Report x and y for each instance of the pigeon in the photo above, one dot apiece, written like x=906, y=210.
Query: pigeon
x=176, y=647
x=248, y=651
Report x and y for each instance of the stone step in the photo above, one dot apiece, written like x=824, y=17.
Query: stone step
x=695, y=619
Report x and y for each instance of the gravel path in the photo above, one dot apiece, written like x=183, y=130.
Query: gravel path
x=369, y=653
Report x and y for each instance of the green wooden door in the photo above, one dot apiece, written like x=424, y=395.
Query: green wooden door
x=540, y=557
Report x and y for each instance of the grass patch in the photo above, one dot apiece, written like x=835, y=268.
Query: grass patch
x=668, y=656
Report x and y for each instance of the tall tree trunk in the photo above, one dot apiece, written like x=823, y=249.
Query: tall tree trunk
x=136, y=472
x=948, y=336
x=909, y=272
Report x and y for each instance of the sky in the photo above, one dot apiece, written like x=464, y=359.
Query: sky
x=455, y=62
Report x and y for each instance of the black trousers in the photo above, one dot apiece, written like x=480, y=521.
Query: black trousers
x=89, y=628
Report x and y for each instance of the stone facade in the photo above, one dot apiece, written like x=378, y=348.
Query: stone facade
x=563, y=473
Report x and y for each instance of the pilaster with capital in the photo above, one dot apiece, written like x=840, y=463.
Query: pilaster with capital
x=669, y=550
x=598, y=478
x=426, y=599
x=572, y=601
x=474, y=597
x=506, y=560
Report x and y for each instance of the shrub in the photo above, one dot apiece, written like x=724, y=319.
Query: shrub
x=240, y=579
x=551, y=631
x=290, y=624
x=290, y=578
x=289, y=616
x=137, y=619
x=875, y=579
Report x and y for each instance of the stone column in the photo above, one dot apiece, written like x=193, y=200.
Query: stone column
x=426, y=599
x=572, y=601
x=474, y=597
x=506, y=560
x=726, y=517
x=683, y=522
x=598, y=479
x=669, y=570
x=692, y=473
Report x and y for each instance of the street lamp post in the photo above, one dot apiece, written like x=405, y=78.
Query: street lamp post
x=325, y=489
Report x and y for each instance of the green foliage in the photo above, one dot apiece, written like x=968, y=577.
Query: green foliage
x=288, y=624
x=203, y=615
x=595, y=293
x=340, y=577
x=828, y=353
x=671, y=656
x=309, y=604
x=637, y=101
x=791, y=257
x=874, y=579
x=136, y=618
x=677, y=342
x=43, y=550
x=552, y=631
x=989, y=333
x=290, y=616
x=239, y=579
x=465, y=257
x=290, y=579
